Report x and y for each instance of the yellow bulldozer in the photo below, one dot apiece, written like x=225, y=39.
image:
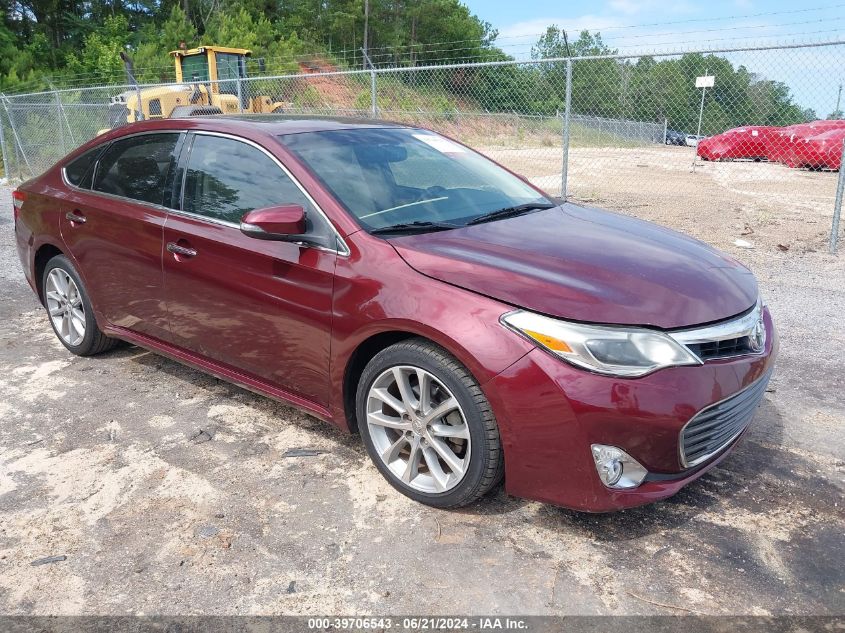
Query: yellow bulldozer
x=208, y=81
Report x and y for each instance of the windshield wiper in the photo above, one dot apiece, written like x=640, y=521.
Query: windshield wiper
x=510, y=212
x=414, y=227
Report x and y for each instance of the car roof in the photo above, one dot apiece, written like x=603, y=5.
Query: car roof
x=250, y=126
x=276, y=124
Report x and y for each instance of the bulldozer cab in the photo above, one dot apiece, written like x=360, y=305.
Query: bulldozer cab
x=219, y=67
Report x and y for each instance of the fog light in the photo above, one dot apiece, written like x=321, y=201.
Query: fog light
x=616, y=468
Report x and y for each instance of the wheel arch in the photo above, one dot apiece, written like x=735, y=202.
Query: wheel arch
x=44, y=254
x=483, y=351
x=46, y=251
x=363, y=353
x=374, y=342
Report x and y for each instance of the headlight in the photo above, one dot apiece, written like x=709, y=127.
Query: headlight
x=615, y=351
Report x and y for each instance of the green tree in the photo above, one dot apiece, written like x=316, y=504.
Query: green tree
x=99, y=60
x=597, y=84
x=151, y=56
x=78, y=42
x=239, y=28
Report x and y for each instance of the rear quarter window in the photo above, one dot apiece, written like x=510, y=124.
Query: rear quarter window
x=79, y=171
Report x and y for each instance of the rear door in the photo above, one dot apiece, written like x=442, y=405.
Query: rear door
x=112, y=223
x=261, y=307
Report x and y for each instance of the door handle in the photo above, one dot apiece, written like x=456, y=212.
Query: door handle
x=184, y=251
x=75, y=216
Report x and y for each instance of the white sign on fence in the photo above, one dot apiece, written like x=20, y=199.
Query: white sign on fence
x=706, y=81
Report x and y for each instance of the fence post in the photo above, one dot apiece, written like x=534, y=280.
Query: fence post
x=59, y=112
x=564, y=172
x=665, y=130
x=837, y=205
x=373, y=94
x=240, y=97
x=139, y=114
x=3, y=150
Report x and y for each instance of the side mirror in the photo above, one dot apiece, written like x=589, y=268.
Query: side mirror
x=284, y=223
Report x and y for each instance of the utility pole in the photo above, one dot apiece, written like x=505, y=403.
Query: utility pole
x=366, y=29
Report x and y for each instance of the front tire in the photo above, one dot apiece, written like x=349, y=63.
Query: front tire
x=70, y=311
x=427, y=425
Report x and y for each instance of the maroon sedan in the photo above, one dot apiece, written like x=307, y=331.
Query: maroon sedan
x=398, y=284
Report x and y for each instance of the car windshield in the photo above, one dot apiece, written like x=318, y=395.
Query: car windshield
x=401, y=177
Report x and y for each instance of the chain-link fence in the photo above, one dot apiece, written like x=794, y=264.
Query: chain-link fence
x=627, y=132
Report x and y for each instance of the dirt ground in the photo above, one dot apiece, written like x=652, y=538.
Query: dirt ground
x=170, y=492
x=766, y=204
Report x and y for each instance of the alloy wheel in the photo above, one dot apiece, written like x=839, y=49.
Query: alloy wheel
x=64, y=303
x=418, y=429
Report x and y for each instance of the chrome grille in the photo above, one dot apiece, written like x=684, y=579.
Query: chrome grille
x=714, y=428
x=722, y=349
x=740, y=336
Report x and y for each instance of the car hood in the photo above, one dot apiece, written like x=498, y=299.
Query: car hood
x=587, y=265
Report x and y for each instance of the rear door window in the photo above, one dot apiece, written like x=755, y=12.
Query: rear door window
x=137, y=167
x=227, y=178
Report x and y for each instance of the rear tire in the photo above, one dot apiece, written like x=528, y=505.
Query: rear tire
x=457, y=452
x=69, y=309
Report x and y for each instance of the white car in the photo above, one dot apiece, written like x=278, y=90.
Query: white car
x=693, y=139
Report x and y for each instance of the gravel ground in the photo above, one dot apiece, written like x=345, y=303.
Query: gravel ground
x=169, y=492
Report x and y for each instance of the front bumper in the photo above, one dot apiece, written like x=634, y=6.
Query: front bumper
x=550, y=413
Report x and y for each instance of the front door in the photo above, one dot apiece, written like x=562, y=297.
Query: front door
x=112, y=222
x=260, y=307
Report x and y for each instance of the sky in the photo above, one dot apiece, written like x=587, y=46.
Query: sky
x=639, y=26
